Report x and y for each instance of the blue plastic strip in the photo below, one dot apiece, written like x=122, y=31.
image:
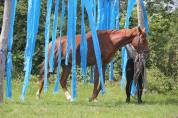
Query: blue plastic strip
x=133, y=88
x=74, y=81
x=124, y=62
x=96, y=44
x=55, y=23
x=98, y=26
x=94, y=10
x=9, y=48
x=111, y=70
x=69, y=29
x=92, y=74
x=32, y=29
x=114, y=23
x=131, y=4
x=130, y=7
x=27, y=78
x=56, y=87
x=83, y=45
x=117, y=14
x=47, y=28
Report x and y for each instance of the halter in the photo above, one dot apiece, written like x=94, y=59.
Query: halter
x=139, y=61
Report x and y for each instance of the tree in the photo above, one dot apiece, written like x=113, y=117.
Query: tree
x=3, y=44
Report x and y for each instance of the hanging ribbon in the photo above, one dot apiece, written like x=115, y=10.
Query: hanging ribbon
x=69, y=28
x=130, y=7
x=9, y=48
x=74, y=81
x=55, y=23
x=56, y=87
x=47, y=28
x=32, y=29
x=95, y=43
x=114, y=24
x=83, y=45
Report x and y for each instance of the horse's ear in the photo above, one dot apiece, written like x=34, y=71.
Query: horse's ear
x=144, y=30
x=139, y=29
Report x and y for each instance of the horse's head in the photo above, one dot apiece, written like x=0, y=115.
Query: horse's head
x=140, y=44
x=139, y=41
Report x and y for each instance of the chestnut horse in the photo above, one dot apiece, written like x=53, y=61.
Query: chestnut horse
x=109, y=40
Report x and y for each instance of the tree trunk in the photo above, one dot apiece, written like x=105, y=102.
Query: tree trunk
x=140, y=14
x=3, y=44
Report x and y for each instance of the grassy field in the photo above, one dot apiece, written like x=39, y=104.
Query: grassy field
x=111, y=105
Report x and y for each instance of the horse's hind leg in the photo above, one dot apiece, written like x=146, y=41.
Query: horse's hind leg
x=97, y=89
x=63, y=80
x=96, y=81
x=41, y=81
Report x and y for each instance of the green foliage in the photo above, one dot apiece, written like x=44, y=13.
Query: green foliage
x=158, y=82
x=163, y=43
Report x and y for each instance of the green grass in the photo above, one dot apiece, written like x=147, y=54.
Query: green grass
x=111, y=105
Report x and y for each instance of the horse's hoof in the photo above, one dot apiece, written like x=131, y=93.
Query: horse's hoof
x=93, y=100
x=68, y=96
x=139, y=101
x=127, y=100
x=37, y=95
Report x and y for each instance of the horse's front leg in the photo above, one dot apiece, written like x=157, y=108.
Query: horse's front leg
x=140, y=88
x=100, y=86
x=63, y=81
x=128, y=90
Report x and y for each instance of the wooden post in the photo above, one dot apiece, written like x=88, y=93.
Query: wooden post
x=3, y=44
x=140, y=14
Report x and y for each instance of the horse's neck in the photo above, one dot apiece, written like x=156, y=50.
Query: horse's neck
x=120, y=38
x=131, y=51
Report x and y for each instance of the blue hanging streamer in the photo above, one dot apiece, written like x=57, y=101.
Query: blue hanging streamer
x=133, y=88
x=130, y=7
x=56, y=87
x=55, y=23
x=117, y=8
x=100, y=19
x=98, y=22
x=69, y=29
x=96, y=44
x=47, y=28
x=83, y=45
x=114, y=23
x=74, y=81
x=32, y=29
x=131, y=4
x=9, y=48
x=92, y=74
x=94, y=10
x=124, y=62
x=111, y=70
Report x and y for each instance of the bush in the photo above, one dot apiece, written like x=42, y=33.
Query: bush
x=158, y=82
